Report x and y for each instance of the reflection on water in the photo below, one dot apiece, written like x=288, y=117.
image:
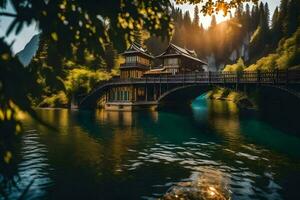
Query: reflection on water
x=210, y=153
x=210, y=184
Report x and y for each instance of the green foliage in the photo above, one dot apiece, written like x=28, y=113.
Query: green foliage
x=289, y=51
x=287, y=55
x=239, y=66
x=265, y=63
x=58, y=100
x=81, y=81
x=241, y=99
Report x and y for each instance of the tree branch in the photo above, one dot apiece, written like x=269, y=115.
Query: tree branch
x=7, y=14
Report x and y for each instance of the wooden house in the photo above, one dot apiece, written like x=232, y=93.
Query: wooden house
x=177, y=60
x=137, y=61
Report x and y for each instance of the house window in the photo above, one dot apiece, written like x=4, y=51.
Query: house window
x=126, y=96
x=118, y=95
x=170, y=61
x=121, y=95
x=131, y=59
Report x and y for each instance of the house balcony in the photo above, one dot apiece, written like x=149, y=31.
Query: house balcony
x=134, y=65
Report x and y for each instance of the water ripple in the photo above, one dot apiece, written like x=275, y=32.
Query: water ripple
x=218, y=174
x=33, y=167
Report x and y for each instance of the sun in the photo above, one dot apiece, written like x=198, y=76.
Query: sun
x=220, y=17
x=205, y=20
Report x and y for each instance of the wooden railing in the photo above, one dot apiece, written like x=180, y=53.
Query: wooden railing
x=263, y=77
x=278, y=77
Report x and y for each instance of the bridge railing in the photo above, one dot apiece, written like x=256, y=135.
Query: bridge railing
x=263, y=77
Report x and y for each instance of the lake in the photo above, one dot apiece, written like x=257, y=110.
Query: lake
x=211, y=151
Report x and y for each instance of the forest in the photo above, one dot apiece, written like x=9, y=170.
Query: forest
x=251, y=38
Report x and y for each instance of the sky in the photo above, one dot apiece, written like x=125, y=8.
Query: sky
x=29, y=31
x=20, y=40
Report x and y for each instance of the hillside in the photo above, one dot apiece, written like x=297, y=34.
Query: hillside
x=29, y=50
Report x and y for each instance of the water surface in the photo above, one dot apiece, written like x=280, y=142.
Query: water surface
x=212, y=150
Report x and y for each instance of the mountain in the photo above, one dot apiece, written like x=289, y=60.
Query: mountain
x=29, y=50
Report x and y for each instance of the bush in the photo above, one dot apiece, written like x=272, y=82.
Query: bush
x=82, y=81
x=57, y=100
x=287, y=55
x=239, y=66
x=265, y=63
x=289, y=51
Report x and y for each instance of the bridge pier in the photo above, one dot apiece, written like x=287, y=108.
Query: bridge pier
x=146, y=92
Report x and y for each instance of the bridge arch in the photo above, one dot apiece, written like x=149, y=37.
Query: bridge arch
x=266, y=93
x=90, y=100
x=182, y=94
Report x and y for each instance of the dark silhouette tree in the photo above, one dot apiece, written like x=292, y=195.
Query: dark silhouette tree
x=275, y=27
x=255, y=16
x=292, y=17
x=196, y=17
x=283, y=8
x=267, y=15
x=187, y=20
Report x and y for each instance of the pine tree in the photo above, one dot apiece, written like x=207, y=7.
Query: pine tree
x=196, y=16
x=110, y=57
x=263, y=24
x=275, y=28
x=261, y=12
x=239, y=11
x=282, y=17
x=246, y=19
x=275, y=18
x=292, y=18
x=213, y=22
x=260, y=37
x=255, y=16
x=187, y=20
x=267, y=15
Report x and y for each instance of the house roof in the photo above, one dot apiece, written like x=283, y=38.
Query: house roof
x=191, y=54
x=137, y=48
